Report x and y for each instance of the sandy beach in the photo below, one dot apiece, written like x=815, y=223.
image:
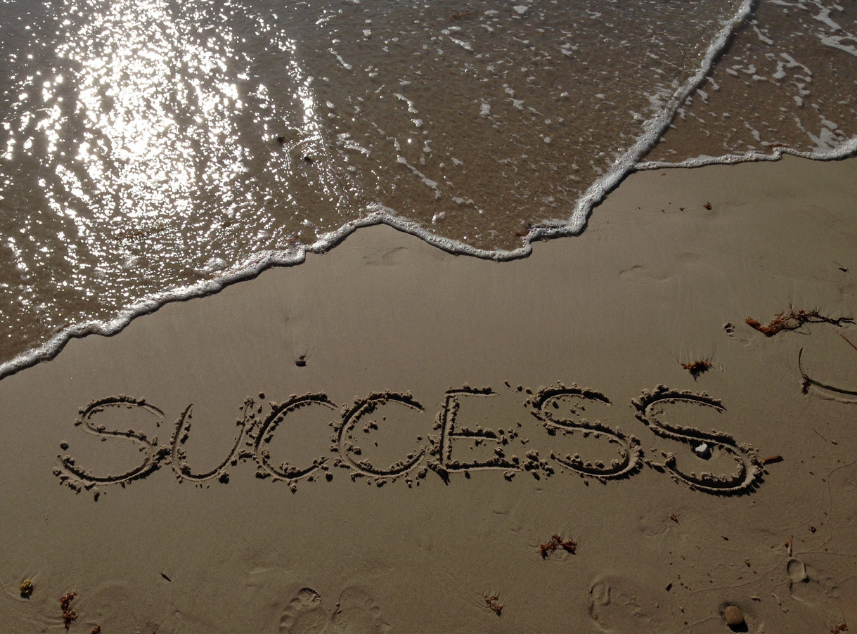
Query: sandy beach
x=387, y=437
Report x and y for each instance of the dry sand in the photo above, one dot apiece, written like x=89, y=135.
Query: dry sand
x=387, y=332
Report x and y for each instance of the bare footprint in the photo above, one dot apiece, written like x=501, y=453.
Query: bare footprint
x=359, y=614
x=304, y=614
x=615, y=609
x=809, y=586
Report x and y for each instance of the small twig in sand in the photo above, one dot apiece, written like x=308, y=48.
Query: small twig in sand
x=697, y=367
x=848, y=340
x=794, y=319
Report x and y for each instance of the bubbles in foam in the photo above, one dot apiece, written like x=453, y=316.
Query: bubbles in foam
x=787, y=84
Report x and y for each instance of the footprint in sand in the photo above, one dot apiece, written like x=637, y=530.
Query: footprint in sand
x=809, y=586
x=304, y=614
x=358, y=614
x=613, y=609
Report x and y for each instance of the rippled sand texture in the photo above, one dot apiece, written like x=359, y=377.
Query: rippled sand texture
x=788, y=81
x=150, y=145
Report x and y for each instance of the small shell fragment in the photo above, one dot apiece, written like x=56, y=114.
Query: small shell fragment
x=702, y=450
x=26, y=588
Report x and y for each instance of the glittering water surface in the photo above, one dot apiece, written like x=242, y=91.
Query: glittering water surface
x=150, y=146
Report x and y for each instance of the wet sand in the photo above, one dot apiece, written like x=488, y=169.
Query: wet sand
x=413, y=426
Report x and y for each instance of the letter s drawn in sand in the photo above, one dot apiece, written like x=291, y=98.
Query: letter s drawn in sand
x=630, y=455
x=76, y=477
x=749, y=472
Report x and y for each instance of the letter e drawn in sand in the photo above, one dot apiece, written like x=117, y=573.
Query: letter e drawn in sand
x=450, y=431
x=628, y=447
x=749, y=470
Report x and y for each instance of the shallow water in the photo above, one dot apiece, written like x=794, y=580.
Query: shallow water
x=787, y=82
x=153, y=149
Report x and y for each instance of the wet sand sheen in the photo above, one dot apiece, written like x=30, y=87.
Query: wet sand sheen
x=468, y=355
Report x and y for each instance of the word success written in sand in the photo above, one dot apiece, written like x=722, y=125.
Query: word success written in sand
x=442, y=449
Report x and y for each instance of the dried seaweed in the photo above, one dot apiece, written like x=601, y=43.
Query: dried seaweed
x=794, y=319
x=493, y=603
x=697, y=367
x=69, y=615
x=556, y=542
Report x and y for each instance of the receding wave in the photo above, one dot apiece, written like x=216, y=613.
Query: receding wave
x=154, y=151
x=784, y=85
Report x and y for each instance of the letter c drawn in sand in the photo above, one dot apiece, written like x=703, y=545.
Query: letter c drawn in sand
x=346, y=441
x=265, y=433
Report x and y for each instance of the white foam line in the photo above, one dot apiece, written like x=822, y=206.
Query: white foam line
x=847, y=149
x=655, y=128
x=378, y=214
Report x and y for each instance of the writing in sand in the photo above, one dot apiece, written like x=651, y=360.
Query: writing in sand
x=455, y=445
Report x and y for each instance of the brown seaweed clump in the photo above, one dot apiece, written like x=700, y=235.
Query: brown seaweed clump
x=556, y=542
x=493, y=603
x=792, y=320
x=697, y=367
x=69, y=615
